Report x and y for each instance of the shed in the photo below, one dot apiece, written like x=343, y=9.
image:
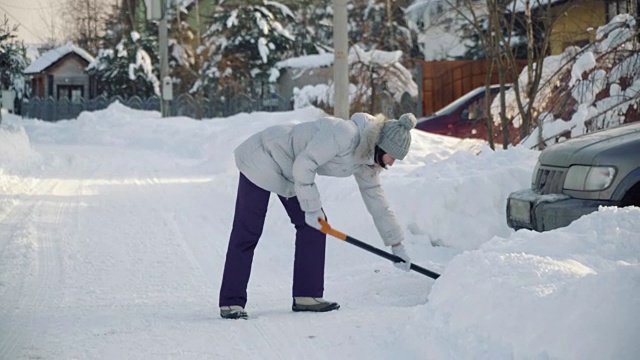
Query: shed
x=305, y=70
x=60, y=73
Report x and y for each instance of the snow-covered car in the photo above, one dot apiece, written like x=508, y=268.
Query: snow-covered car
x=576, y=177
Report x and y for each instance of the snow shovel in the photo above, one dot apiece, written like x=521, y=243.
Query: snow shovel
x=327, y=229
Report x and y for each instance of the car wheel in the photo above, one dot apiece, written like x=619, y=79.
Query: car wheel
x=632, y=197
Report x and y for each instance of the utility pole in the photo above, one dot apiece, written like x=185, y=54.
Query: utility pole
x=164, y=61
x=157, y=10
x=340, y=61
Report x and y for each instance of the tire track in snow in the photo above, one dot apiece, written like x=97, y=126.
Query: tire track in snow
x=32, y=262
x=176, y=226
x=11, y=207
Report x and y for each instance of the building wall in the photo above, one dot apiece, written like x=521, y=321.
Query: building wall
x=298, y=78
x=574, y=20
x=69, y=71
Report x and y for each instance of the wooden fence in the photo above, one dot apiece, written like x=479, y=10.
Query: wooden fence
x=445, y=81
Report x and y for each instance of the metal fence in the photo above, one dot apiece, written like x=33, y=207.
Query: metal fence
x=50, y=109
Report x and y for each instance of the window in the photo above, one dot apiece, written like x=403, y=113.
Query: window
x=616, y=7
x=475, y=111
x=50, y=85
x=72, y=92
x=76, y=94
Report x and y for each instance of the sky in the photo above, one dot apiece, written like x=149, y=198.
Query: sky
x=114, y=227
x=32, y=17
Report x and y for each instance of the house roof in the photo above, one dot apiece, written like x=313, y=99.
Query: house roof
x=52, y=56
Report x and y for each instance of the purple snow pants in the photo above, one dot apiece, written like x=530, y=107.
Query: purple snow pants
x=248, y=221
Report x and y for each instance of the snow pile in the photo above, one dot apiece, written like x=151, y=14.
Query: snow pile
x=448, y=185
x=565, y=294
x=15, y=149
x=120, y=126
x=17, y=159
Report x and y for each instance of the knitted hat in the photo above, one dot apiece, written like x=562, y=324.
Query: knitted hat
x=395, y=136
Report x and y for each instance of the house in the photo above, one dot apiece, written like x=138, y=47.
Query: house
x=575, y=21
x=60, y=73
x=310, y=70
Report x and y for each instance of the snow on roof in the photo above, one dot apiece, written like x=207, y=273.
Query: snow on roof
x=52, y=56
x=521, y=4
x=356, y=54
x=380, y=57
x=307, y=61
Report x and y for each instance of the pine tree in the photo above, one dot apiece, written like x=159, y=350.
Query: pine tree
x=129, y=69
x=182, y=52
x=13, y=60
x=128, y=63
x=313, y=28
x=243, y=44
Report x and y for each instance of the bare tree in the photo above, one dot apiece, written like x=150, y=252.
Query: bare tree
x=498, y=26
x=51, y=22
x=84, y=22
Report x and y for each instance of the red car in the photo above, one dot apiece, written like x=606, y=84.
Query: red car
x=463, y=118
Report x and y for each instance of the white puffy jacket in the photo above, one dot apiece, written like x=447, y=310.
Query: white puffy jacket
x=286, y=158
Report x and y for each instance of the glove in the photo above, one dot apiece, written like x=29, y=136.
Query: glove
x=401, y=252
x=311, y=218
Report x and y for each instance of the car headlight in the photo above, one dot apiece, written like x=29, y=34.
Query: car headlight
x=589, y=178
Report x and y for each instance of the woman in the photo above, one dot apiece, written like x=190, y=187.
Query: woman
x=284, y=159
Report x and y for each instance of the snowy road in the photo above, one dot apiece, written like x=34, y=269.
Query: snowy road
x=98, y=266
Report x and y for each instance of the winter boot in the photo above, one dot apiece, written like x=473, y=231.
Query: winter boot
x=233, y=312
x=304, y=303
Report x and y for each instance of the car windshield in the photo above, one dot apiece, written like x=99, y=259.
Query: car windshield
x=457, y=103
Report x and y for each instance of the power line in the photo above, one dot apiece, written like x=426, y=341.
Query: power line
x=28, y=9
x=29, y=30
x=21, y=24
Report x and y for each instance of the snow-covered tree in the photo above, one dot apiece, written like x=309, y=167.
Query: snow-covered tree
x=243, y=43
x=378, y=74
x=313, y=28
x=381, y=25
x=377, y=81
x=128, y=62
x=584, y=89
x=445, y=28
x=183, y=61
x=129, y=69
x=83, y=21
x=13, y=60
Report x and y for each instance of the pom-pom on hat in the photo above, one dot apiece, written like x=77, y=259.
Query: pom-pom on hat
x=395, y=136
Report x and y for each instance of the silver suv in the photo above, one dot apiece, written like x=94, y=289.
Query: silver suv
x=575, y=177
